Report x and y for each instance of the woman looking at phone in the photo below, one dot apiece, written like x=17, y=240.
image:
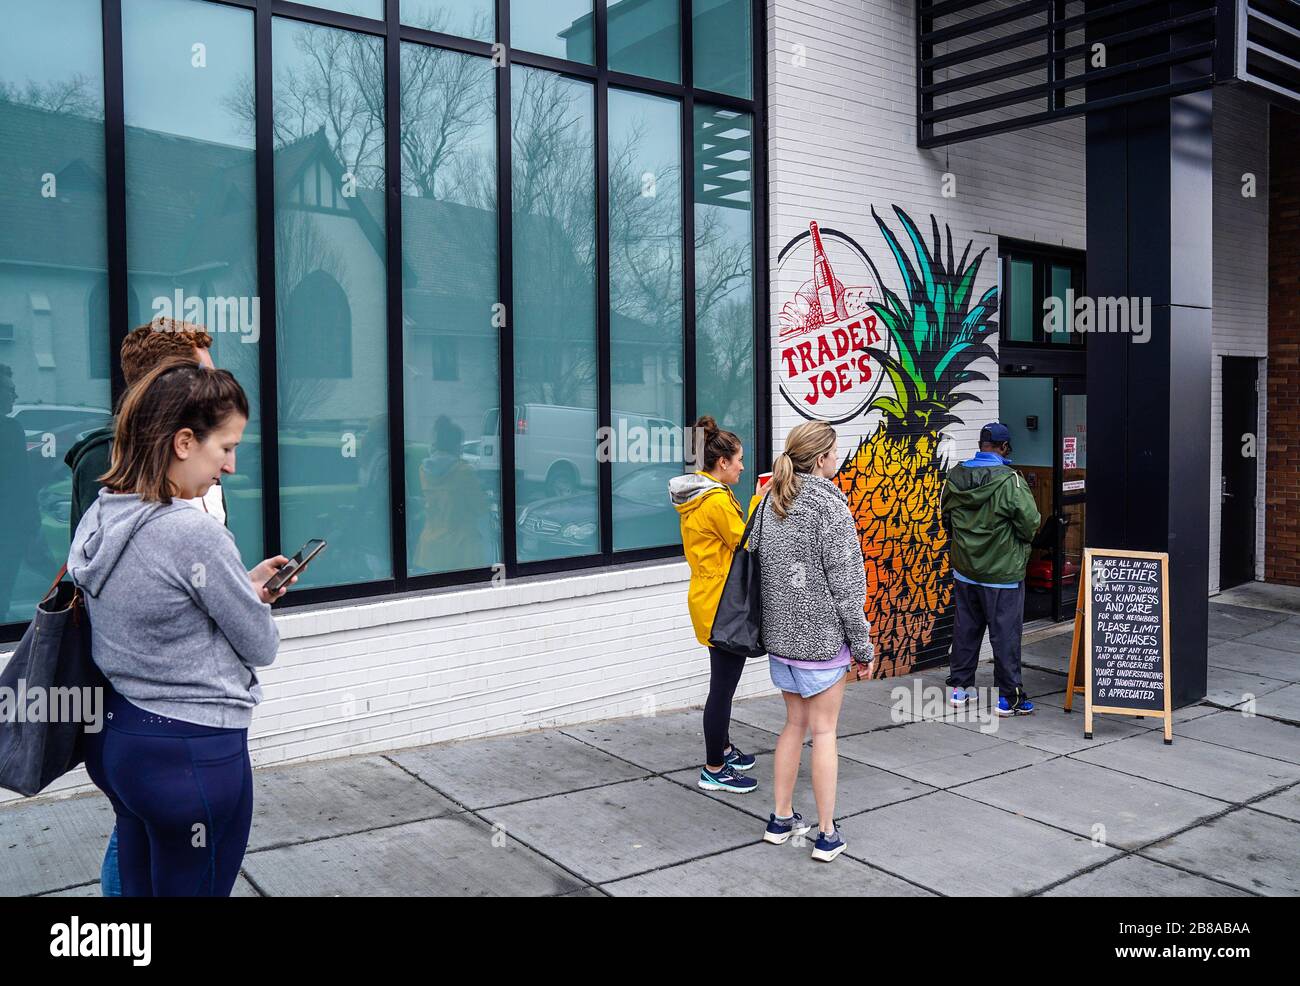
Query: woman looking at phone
x=178, y=628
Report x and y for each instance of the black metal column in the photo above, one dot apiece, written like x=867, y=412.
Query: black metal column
x=1150, y=228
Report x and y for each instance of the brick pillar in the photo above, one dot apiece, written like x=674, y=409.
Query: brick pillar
x=1282, y=486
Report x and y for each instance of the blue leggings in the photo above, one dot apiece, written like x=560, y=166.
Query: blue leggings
x=183, y=796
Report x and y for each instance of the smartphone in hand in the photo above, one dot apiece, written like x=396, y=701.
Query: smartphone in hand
x=295, y=566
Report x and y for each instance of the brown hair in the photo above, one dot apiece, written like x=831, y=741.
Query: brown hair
x=174, y=395
x=144, y=347
x=713, y=442
x=805, y=444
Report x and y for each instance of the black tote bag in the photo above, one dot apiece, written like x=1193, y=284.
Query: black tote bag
x=738, y=623
x=53, y=654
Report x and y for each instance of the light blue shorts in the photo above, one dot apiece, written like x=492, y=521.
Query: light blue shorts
x=804, y=681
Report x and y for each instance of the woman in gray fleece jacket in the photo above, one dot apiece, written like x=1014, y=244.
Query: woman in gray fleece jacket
x=178, y=627
x=814, y=590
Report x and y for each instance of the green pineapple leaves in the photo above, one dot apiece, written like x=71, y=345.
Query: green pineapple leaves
x=938, y=334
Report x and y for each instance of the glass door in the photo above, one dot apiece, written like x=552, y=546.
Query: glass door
x=1071, y=469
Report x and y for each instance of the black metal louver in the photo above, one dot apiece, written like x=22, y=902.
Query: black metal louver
x=1268, y=47
x=990, y=67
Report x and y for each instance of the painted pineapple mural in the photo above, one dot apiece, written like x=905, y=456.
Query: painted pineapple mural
x=895, y=477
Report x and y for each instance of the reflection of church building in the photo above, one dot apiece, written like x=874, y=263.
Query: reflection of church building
x=191, y=205
x=54, y=296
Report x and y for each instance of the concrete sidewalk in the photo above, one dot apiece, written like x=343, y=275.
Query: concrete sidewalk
x=927, y=806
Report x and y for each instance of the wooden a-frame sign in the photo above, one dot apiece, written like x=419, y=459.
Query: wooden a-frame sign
x=1082, y=675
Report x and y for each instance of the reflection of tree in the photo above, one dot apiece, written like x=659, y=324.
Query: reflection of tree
x=645, y=237
x=552, y=172
x=442, y=105
x=724, y=315
x=725, y=345
x=335, y=82
x=77, y=96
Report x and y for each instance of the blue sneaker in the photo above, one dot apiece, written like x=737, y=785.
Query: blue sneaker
x=726, y=780
x=778, y=832
x=826, y=849
x=737, y=760
x=1023, y=707
x=960, y=696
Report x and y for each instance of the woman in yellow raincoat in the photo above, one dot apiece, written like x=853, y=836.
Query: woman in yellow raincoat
x=713, y=523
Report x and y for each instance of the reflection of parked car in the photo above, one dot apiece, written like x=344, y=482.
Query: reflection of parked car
x=642, y=513
x=52, y=429
x=55, y=503
x=556, y=445
x=58, y=419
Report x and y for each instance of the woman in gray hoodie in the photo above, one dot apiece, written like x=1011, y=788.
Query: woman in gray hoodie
x=814, y=592
x=178, y=628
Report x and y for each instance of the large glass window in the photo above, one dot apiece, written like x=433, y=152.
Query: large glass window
x=724, y=274
x=562, y=28
x=466, y=18
x=645, y=299
x=191, y=212
x=364, y=327
x=645, y=38
x=553, y=180
x=53, y=281
x=331, y=303
x=722, y=45
x=449, y=294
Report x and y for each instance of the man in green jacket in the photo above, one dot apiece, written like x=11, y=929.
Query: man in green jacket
x=991, y=518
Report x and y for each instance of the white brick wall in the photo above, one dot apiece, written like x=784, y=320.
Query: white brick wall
x=857, y=94
x=842, y=139
x=1240, y=325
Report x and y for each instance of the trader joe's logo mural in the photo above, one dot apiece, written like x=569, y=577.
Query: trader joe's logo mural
x=922, y=339
x=827, y=330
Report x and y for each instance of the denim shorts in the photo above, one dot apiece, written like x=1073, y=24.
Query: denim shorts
x=804, y=681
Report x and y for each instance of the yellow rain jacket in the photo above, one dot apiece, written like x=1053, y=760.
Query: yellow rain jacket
x=712, y=526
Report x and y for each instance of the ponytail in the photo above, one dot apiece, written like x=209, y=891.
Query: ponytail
x=805, y=444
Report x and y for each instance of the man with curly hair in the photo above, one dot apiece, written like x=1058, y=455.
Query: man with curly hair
x=142, y=350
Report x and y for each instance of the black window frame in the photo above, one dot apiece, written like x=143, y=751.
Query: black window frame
x=1043, y=258
x=394, y=34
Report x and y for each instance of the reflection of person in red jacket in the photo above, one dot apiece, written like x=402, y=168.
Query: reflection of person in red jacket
x=455, y=509
x=21, y=520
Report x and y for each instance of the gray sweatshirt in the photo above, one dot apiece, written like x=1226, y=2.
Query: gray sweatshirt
x=814, y=584
x=178, y=628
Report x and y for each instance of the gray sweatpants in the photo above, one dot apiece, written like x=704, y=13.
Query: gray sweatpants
x=1002, y=611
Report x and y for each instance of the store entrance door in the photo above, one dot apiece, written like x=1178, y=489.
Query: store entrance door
x=1047, y=417
x=1239, y=462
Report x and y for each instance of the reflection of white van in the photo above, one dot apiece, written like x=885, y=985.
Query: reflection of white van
x=554, y=445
